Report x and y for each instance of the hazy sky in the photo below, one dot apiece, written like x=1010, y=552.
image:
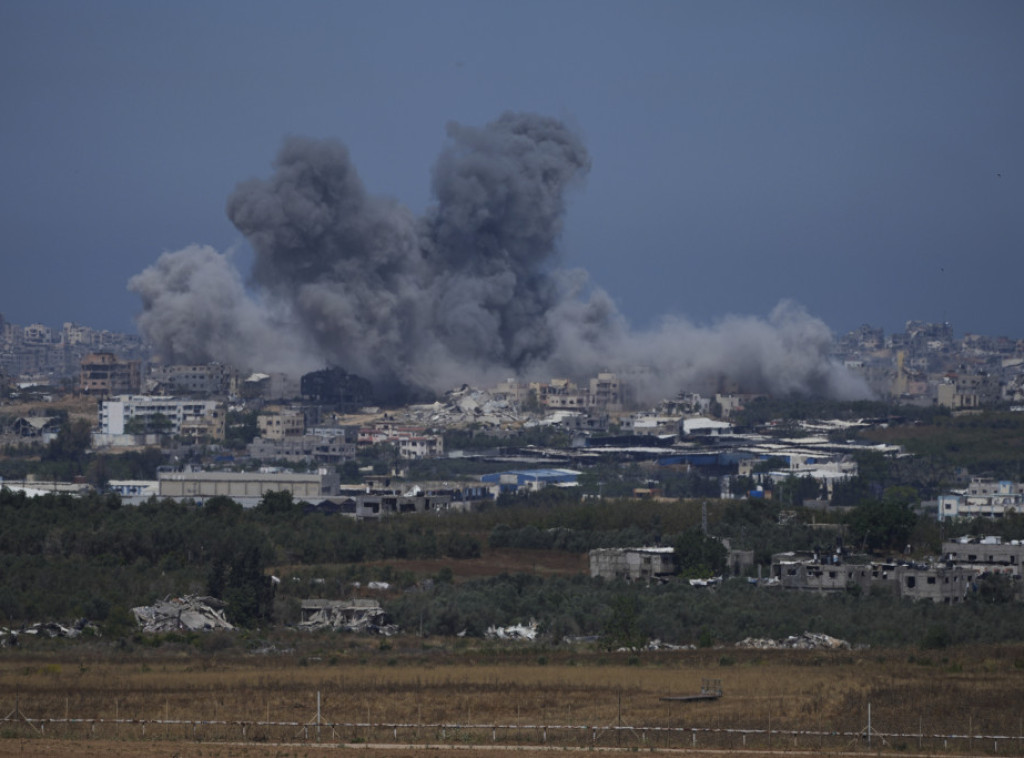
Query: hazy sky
x=865, y=159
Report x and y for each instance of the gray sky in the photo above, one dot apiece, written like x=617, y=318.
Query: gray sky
x=865, y=159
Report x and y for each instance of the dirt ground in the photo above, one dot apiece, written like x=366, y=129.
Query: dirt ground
x=42, y=748
x=470, y=701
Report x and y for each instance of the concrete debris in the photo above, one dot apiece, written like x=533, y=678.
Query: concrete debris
x=51, y=629
x=709, y=582
x=372, y=585
x=464, y=406
x=358, y=615
x=659, y=645
x=526, y=632
x=805, y=641
x=192, y=613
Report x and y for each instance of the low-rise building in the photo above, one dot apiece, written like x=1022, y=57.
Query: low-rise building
x=246, y=488
x=939, y=583
x=530, y=480
x=985, y=554
x=983, y=497
x=634, y=564
x=309, y=448
x=376, y=505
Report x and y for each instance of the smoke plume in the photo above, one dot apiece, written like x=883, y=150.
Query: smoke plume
x=470, y=291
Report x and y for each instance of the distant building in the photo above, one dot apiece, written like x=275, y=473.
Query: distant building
x=104, y=374
x=633, y=564
x=279, y=423
x=140, y=414
x=413, y=442
x=338, y=388
x=938, y=583
x=310, y=448
x=203, y=379
x=531, y=480
x=983, y=497
x=373, y=506
x=985, y=555
x=246, y=488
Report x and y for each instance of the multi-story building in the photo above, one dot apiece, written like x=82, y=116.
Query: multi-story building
x=983, y=497
x=204, y=379
x=281, y=423
x=413, y=442
x=607, y=393
x=130, y=414
x=106, y=374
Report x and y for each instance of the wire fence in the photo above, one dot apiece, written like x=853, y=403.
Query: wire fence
x=320, y=729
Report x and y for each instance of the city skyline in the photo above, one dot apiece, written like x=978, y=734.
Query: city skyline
x=862, y=160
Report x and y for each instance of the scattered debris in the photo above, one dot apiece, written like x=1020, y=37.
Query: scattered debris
x=51, y=629
x=805, y=641
x=515, y=632
x=659, y=645
x=194, y=613
x=709, y=582
x=357, y=615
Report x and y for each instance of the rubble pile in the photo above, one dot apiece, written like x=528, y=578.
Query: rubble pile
x=526, y=632
x=465, y=405
x=192, y=613
x=360, y=615
x=805, y=641
x=51, y=629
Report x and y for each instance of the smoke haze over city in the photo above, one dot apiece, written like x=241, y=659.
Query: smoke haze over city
x=471, y=290
x=677, y=185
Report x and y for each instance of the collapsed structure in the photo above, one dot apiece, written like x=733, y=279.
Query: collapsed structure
x=193, y=613
x=355, y=615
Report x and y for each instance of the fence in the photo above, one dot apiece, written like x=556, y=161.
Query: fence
x=319, y=729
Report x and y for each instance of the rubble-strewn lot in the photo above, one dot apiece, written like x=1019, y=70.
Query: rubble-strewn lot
x=464, y=406
x=189, y=613
x=805, y=641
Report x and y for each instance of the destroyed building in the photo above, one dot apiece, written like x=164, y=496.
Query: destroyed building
x=192, y=613
x=356, y=615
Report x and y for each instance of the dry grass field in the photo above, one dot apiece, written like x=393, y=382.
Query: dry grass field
x=169, y=702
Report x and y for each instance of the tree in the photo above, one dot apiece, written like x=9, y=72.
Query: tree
x=622, y=629
x=71, y=442
x=698, y=555
x=884, y=524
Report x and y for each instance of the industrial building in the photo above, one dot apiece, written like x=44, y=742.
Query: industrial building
x=246, y=488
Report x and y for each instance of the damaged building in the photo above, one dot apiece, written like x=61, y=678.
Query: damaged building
x=191, y=613
x=355, y=615
x=940, y=583
x=634, y=564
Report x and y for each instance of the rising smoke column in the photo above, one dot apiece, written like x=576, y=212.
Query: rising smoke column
x=493, y=232
x=469, y=292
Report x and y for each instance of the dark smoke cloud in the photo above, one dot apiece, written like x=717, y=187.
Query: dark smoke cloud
x=468, y=292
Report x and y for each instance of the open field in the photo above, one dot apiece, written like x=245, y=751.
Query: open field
x=485, y=697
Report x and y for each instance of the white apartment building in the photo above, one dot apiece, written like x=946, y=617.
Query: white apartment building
x=116, y=414
x=983, y=497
